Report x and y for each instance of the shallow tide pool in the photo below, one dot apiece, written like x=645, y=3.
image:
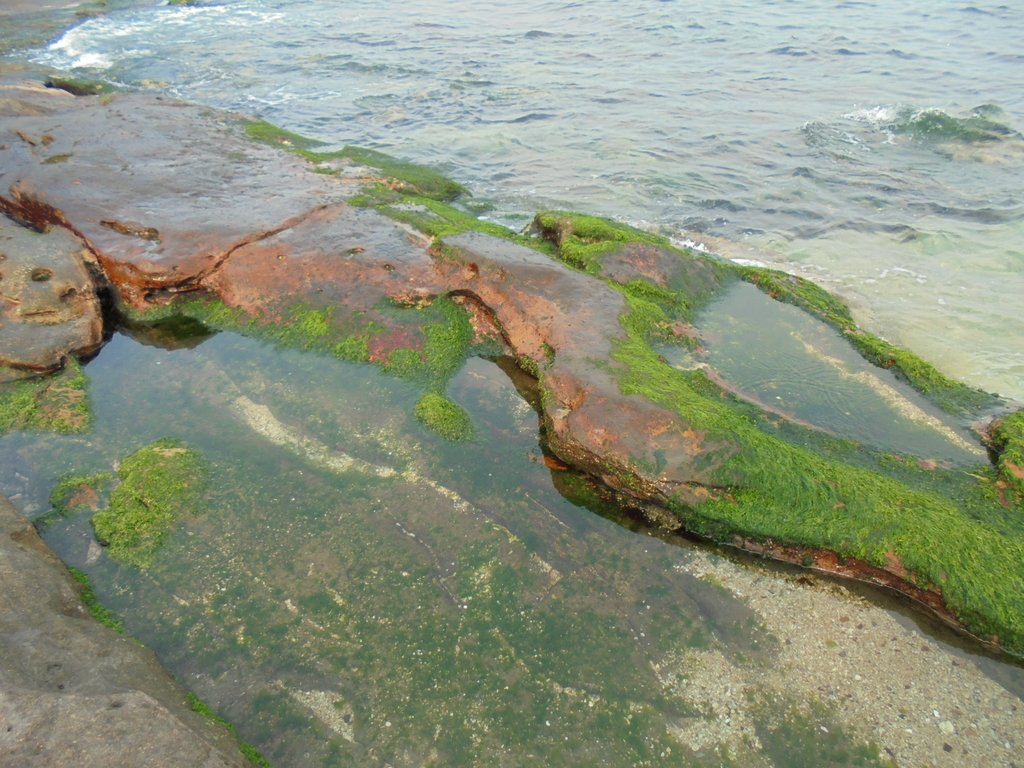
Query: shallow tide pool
x=354, y=590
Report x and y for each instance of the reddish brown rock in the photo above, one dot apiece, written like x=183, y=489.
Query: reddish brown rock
x=567, y=323
x=161, y=192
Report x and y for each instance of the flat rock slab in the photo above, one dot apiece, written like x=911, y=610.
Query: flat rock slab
x=162, y=192
x=74, y=693
x=48, y=303
x=353, y=260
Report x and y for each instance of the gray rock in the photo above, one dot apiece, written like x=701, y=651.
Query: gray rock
x=48, y=303
x=74, y=693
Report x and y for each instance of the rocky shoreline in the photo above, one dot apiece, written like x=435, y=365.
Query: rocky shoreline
x=153, y=201
x=132, y=211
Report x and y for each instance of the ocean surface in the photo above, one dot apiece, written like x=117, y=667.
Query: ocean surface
x=872, y=146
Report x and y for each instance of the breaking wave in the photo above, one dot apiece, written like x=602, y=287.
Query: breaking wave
x=981, y=124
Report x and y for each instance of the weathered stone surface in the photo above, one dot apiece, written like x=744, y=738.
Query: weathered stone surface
x=162, y=192
x=74, y=693
x=48, y=303
x=337, y=256
x=550, y=311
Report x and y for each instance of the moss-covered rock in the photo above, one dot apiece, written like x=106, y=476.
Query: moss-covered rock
x=444, y=417
x=1007, y=440
x=49, y=403
x=79, y=86
x=158, y=484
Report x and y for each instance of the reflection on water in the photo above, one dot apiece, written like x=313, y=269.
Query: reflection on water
x=797, y=366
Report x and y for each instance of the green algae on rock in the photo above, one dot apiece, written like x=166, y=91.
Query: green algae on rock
x=74, y=493
x=159, y=483
x=961, y=547
x=345, y=280
x=1006, y=437
x=55, y=402
x=404, y=176
x=79, y=86
x=444, y=417
x=96, y=609
x=585, y=241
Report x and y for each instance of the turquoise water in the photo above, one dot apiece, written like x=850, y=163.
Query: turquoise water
x=874, y=147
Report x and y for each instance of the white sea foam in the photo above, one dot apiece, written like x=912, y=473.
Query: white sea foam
x=874, y=115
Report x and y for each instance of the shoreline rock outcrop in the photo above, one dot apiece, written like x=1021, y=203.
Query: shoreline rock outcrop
x=49, y=303
x=173, y=200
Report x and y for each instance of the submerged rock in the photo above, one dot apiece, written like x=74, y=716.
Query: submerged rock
x=74, y=692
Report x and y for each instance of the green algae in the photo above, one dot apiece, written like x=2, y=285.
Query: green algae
x=411, y=178
x=419, y=179
x=268, y=133
x=158, y=484
x=56, y=402
x=392, y=606
x=439, y=219
x=79, y=86
x=1007, y=440
x=440, y=414
x=96, y=609
x=954, y=536
x=770, y=489
x=934, y=125
x=73, y=493
x=249, y=751
x=62, y=497
x=298, y=326
x=441, y=334
x=582, y=240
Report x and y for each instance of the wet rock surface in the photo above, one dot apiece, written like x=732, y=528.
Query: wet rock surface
x=73, y=692
x=49, y=307
x=421, y=584
x=161, y=191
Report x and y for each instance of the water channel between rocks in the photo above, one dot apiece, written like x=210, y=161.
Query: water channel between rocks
x=356, y=591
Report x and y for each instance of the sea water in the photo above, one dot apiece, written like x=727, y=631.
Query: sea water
x=874, y=147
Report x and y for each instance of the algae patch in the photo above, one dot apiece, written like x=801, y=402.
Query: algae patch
x=55, y=402
x=404, y=177
x=159, y=483
x=1007, y=440
x=249, y=751
x=950, y=536
x=96, y=609
x=443, y=416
